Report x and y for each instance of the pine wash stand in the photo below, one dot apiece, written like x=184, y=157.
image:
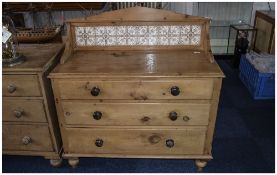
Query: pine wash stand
x=30, y=124
x=137, y=83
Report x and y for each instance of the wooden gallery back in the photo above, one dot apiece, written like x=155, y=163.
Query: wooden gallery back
x=137, y=83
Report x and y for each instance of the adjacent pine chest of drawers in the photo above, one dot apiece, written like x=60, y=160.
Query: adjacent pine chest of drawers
x=137, y=83
x=30, y=124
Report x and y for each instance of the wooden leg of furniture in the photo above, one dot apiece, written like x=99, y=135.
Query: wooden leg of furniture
x=200, y=164
x=56, y=162
x=73, y=162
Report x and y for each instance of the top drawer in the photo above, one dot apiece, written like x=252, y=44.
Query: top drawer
x=20, y=86
x=136, y=90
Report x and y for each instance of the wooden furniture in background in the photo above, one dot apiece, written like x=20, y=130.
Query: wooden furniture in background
x=49, y=32
x=265, y=38
x=30, y=124
x=137, y=83
x=44, y=6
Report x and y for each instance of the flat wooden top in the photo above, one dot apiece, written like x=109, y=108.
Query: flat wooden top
x=173, y=63
x=38, y=56
x=268, y=13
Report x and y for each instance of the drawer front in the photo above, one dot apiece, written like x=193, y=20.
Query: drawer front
x=23, y=110
x=136, y=90
x=26, y=138
x=82, y=112
x=136, y=141
x=20, y=86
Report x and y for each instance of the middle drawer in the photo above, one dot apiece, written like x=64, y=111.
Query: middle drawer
x=16, y=110
x=87, y=112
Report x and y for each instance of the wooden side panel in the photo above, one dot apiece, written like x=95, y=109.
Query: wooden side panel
x=136, y=141
x=39, y=135
x=213, y=115
x=49, y=101
x=272, y=49
x=25, y=85
x=120, y=114
x=60, y=119
x=27, y=110
x=136, y=90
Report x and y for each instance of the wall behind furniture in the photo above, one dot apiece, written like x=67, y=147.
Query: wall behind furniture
x=226, y=13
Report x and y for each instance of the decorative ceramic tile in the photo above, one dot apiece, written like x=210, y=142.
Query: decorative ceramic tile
x=132, y=30
x=184, y=40
x=100, y=41
x=164, y=40
x=163, y=30
x=173, y=40
x=174, y=30
x=111, y=31
x=121, y=41
x=153, y=30
x=195, y=40
x=138, y=35
x=132, y=40
x=185, y=29
x=196, y=29
x=121, y=30
x=111, y=41
x=142, y=41
x=153, y=40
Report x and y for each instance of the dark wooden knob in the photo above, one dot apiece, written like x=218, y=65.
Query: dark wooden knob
x=186, y=118
x=169, y=143
x=99, y=142
x=26, y=140
x=175, y=91
x=11, y=88
x=95, y=91
x=173, y=115
x=97, y=115
x=18, y=113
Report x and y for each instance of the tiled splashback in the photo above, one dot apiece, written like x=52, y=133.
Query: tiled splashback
x=138, y=35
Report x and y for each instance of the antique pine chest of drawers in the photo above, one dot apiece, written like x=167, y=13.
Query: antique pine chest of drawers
x=30, y=124
x=137, y=82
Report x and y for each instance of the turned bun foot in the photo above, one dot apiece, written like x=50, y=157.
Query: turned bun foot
x=73, y=162
x=200, y=164
x=56, y=162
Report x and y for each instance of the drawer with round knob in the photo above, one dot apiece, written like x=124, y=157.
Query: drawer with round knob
x=20, y=86
x=162, y=141
x=15, y=110
x=26, y=138
x=119, y=113
x=136, y=90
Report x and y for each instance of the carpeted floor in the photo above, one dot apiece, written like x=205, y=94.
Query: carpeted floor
x=243, y=142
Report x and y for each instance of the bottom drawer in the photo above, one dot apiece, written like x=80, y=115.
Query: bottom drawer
x=160, y=141
x=26, y=138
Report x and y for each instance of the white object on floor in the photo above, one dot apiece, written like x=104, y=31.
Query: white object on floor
x=264, y=63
